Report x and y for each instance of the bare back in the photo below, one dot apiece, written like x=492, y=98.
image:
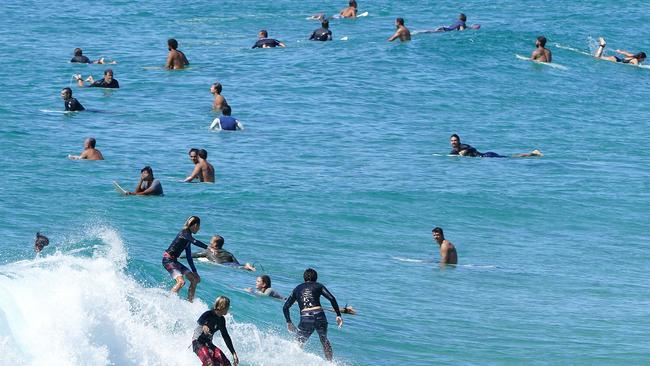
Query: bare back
x=349, y=12
x=207, y=172
x=448, y=253
x=404, y=34
x=175, y=60
x=542, y=55
x=91, y=154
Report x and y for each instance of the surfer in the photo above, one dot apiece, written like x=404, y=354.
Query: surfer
x=80, y=58
x=323, y=33
x=263, y=288
x=175, y=58
x=209, y=323
x=402, y=32
x=541, y=54
x=40, y=242
x=265, y=42
x=226, y=121
x=467, y=150
x=350, y=11
x=629, y=58
x=106, y=82
x=203, y=170
x=219, y=101
x=448, y=253
x=89, y=153
x=312, y=316
x=148, y=185
x=71, y=104
x=216, y=254
x=181, y=243
x=459, y=25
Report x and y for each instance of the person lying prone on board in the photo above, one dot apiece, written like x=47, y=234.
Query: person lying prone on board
x=629, y=58
x=217, y=254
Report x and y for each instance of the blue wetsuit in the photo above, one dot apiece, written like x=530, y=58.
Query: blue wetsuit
x=228, y=123
x=308, y=296
x=456, y=26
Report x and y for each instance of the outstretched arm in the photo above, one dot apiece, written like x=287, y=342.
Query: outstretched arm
x=625, y=53
x=394, y=36
x=195, y=173
x=328, y=295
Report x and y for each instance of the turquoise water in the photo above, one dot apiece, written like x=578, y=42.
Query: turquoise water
x=342, y=167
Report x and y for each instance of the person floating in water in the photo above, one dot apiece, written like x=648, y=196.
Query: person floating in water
x=226, y=122
x=209, y=323
x=323, y=33
x=219, y=102
x=71, y=104
x=402, y=32
x=628, y=58
x=40, y=242
x=148, y=185
x=176, y=59
x=467, y=150
x=350, y=11
x=80, y=58
x=312, y=316
x=216, y=254
x=183, y=242
x=265, y=42
x=89, y=153
x=541, y=54
x=106, y=82
x=448, y=253
x=203, y=170
x=459, y=25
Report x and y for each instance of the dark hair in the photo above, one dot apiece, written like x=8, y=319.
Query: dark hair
x=226, y=110
x=267, y=280
x=462, y=17
x=92, y=142
x=541, y=40
x=438, y=230
x=640, y=55
x=203, y=154
x=310, y=275
x=78, y=51
x=191, y=221
x=67, y=90
x=264, y=33
x=217, y=86
x=172, y=43
x=353, y=3
x=193, y=150
x=147, y=169
x=456, y=136
x=108, y=71
x=325, y=24
x=400, y=21
x=220, y=241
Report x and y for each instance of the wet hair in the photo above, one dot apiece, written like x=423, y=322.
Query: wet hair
x=108, y=71
x=172, y=43
x=226, y=110
x=78, y=51
x=267, y=280
x=541, y=40
x=92, y=142
x=264, y=33
x=218, y=86
x=191, y=221
x=456, y=136
x=220, y=241
x=193, y=150
x=147, y=169
x=640, y=55
x=438, y=230
x=353, y=3
x=67, y=90
x=462, y=17
x=222, y=303
x=203, y=154
x=310, y=275
x=400, y=21
x=325, y=24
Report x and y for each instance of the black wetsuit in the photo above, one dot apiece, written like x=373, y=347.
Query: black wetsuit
x=181, y=243
x=73, y=105
x=266, y=43
x=101, y=83
x=472, y=152
x=308, y=296
x=215, y=323
x=222, y=257
x=321, y=34
x=81, y=59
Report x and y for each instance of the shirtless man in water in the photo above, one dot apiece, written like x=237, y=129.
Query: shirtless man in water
x=448, y=253
x=175, y=59
x=350, y=11
x=202, y=170
x=89, y=153
x=402, y=32
x=541, y=54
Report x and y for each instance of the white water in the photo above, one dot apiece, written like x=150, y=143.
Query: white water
x=73, y=310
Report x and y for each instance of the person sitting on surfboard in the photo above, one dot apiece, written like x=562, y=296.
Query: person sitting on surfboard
x=209, y=323
x=216, y=254
x=148, y=185
x=629, y=58
x=467, y=150
x=541, y=54
x=106, y=82
x=350, y=11
x=175, y=58
x=89, y=153
x=459, y=25
x=448, y=253
x=402, y=32
x=226, y=122
x=203, y=170
x=323, y=33
x=71, y=104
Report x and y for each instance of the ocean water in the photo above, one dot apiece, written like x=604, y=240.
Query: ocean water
x=342, y=167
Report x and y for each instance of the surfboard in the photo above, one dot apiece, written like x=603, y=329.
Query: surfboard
x=555, y=66
x=572, y=49
x=53, y=111
x=439, y=30
x=119, y=189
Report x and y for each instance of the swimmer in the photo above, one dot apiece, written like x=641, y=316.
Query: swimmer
x=215, y=253
x=194, y=157
x=467, y=150
x=265, y=42
x=226, y=122
x=183, y=242
x=176, y=59
x=541, y=54
x=89, y=153
x=219, y=101
x=459, y=25
x=71, y=104
x=209, y=323
x=323, y=33
x=106, y=82
x=80, y=58
x=40, y=242
x=402, y=32
x=448, y=253
x=312, y=316
x=350, y=11
x=203, y=170
x=148, y=185
x=629, y=58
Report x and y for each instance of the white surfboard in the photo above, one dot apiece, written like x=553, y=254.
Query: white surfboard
x=119, y=189
x=572, y=49
x=364, y=14
x=555, y=66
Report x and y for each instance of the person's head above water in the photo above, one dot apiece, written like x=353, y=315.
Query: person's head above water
x=227, y=111
x=194, y=155
x=263, y=34
x=203, y=154
x=325, y=24
x=90, y=143
x=640, y=56
x=310, y=275
x=455, y=141
x=541, y=41
x=462, y=17
x=108, y=75
x=216, y=88
x=221, y=305
x=399, y=21
x=438, y=235
x=263, y=282
x=66, y=93
x=172, y=44
x=147, y=173
x=217, y=242
x=353, y=3
x=78, y=51
x=193, y=224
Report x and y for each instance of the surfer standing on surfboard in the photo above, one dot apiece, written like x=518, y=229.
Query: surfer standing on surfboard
x=448, y=253
x=209, y=323
x=541, y=54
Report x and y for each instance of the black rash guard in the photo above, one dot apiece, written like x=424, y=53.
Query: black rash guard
x=73, y=105
x=81, y=59
x=101, y=83
x=182, y=242
x=472, y=152
x=266, y=43
x=321, y=34
x=308, y=296
x=215, y=323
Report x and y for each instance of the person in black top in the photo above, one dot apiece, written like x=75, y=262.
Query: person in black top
x=323, y=33
x=265, y=42
x=216, y=254
x=312, y=316
x=467, y=150
x=209, y=323
x=70, y=103
x=106, y=82
x=80, y=58
x=181, y=243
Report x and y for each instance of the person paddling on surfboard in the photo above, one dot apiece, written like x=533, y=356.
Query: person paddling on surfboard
x=217, y=254
x=459, y=25
x=629, y=58
x=541, y=54
x=209, y=323
x=183, y=242
x=350, y=11
x=448, y=253
x=467, y=150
